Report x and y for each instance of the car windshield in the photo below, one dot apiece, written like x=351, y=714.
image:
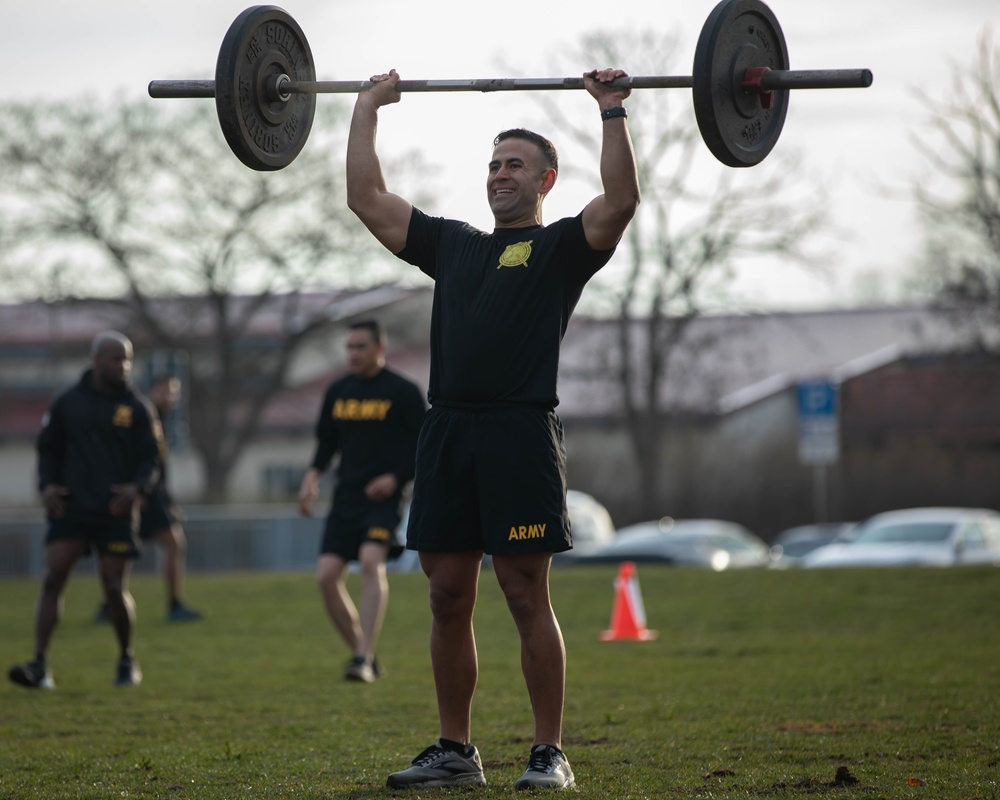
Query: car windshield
x=800, y=548
x=918, y=532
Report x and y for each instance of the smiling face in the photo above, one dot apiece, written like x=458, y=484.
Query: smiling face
x=517, y=183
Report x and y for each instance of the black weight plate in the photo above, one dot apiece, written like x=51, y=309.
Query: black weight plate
x=265, y=132
x=737, y=35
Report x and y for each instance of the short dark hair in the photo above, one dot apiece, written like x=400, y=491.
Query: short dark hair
x=548, y=150
x=373, y=326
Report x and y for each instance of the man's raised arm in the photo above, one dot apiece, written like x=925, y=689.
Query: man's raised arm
x=385, y=214
x=606, y=216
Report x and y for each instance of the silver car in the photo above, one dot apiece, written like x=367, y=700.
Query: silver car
x=711, y=543
x=933, y=537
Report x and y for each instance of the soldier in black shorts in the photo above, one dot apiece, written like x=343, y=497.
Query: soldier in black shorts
x=97, y=458
x=491, y=468
x=371, y=417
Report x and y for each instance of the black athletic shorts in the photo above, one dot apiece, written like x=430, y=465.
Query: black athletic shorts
x=491, y=480
x=113, y=536
x=158, y=514
x=354, y=520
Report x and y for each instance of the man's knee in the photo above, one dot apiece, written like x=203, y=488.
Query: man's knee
x=371, y=560
x=330, y=571
x=524, y=584
x=449, y=606
x=55, y=580
x=60, y=558
x=114, y=584
x=454, y=584
x=173, y=540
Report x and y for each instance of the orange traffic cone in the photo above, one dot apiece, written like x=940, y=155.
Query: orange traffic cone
x=628, y=617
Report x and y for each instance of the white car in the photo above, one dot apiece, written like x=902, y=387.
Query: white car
x=933, y=537
x=712, y=543
x=590, y=522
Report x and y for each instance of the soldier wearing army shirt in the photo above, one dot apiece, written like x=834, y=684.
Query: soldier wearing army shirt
x=371, y=417
x=491, y=471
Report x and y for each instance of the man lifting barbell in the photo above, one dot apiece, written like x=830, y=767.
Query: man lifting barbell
x=491, y=466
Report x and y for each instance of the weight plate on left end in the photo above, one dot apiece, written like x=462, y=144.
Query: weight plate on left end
x=264, y=131
x=737, y=35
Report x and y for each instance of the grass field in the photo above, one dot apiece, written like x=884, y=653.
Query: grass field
x=762, y=684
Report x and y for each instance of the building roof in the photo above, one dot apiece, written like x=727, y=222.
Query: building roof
x=727, y=361
x=723, y=363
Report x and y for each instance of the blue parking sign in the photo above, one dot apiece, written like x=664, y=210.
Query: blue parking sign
x=819, y=422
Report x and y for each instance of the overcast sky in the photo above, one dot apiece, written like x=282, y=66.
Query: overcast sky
x=858, y=140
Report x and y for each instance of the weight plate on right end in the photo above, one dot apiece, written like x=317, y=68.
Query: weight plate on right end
x=737, y=35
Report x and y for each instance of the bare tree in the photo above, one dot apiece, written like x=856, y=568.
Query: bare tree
x=958, y=196
x=697, y=222
x=145, y=205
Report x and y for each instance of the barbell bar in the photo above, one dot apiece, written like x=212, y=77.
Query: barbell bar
x=265, y=84
x=772, y=80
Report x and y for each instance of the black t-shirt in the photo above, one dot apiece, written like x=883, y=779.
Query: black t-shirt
x=373, y=423
x=502, y=301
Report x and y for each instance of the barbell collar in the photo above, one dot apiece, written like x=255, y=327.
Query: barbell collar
x=816, y=79
x=182, y=88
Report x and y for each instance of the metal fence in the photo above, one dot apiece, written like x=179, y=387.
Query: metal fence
x=220, y=538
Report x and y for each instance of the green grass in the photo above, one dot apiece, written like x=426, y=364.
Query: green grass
x=761, y=685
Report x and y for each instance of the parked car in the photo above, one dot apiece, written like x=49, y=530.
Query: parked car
x=789, y=546
x=938, y=537
x=589, y=520
x=710, y=543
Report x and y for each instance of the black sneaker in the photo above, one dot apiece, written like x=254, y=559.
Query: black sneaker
x=33, y=675
x=358, y=669
x=548, y=768
x=377, y=669
x=438, y=766
x=128, y=673
x=181, y=613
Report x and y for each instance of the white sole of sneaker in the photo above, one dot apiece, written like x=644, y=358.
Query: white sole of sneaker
x=459, y=780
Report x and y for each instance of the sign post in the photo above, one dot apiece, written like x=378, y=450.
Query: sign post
x=819, y=434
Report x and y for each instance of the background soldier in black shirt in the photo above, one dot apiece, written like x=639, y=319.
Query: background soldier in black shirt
x=491, y=472
x=97, y=458
x=371, y=417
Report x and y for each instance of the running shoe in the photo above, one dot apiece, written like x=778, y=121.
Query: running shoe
x=181, y=613
x=33, y=675
x=358, y=669
x=548, y=768
x=438, y=766
x=128, y=672
x=377, y=669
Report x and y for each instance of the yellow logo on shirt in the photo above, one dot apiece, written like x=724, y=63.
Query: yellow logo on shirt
x=122, y=417
x=355, y=410
x=516, y=255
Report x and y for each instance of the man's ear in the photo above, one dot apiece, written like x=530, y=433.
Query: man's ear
x=548, y=181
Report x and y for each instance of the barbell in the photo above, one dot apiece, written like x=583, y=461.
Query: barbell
x=265, y=84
